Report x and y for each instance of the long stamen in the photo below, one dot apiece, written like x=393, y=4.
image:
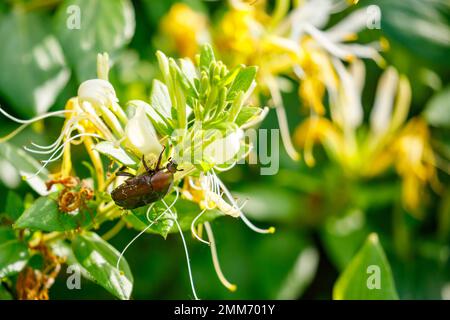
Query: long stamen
x=241, y=214
x=218, y=168
x=68, y=128
x=138, y=235
x=170, y=207
x=26, y=123
x=259, y=118
x=43, y=116
x=194, y=232
x=215, y=258
x=61, y=147
x=255, y=228
x=193, y=185
x=185, y=249
x=52, y=157
x=151, y=223
x=282, y=120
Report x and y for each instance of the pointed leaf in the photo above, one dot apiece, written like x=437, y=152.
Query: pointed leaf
x=242, y=82
x=99, y=258
x=25, y=165
x=13, y=253
x=206, y=56
x=44, y=215
x=115, y=152
x=368, y=276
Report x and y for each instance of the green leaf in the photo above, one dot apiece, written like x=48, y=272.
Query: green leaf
x=206, y=56
x=33, y=67
x=437, y=111
x=4, y=294
x=242, y=82
x=138, y=219
x=115, y=152
x=25, y=165
x=247, y=113
x=99, y=258
x=368, y=276
x=14, y=205
x=105, y=26
x=63, y=250
x=6, y=234
x=13, y=253
x=44, y=215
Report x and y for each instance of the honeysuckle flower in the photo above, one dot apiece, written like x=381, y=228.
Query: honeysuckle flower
x=293, y=43
x=415, y=162
x=185, y=30
x=197, y=112
x=141, y=135
x=390, y=140
x=98, y=92
x=221, y=151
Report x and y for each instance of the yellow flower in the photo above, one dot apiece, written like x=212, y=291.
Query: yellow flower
x=186, y=28
x=391, y=141
x=415, y=162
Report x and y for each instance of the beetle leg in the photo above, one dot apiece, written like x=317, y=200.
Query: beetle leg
x=145, y=165
x=159, y=159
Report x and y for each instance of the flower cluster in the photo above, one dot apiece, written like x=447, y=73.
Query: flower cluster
x=195, y=117
x=288, y=43
x=293, y=41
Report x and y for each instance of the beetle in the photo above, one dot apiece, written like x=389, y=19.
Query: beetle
x=148, y=187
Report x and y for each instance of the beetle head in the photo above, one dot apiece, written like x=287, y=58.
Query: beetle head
x=172, y=166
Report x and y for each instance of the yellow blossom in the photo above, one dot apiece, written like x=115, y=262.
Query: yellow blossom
x=186, y=28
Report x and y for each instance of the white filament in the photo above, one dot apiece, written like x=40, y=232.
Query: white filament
x=43, y=116
x=194, y=232
x=152, y=222
x=236, y=207
x=191, y=279
x=215, y=259
x=53, y=158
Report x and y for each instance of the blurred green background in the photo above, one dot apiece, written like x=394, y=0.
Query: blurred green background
x=322, y=217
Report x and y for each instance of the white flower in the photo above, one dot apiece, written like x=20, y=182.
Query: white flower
x=98, y=92
x=141, y=135
x=222, y=150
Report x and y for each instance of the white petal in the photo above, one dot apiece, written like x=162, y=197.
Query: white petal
x=224, y=149
x=98, y=92
x=351, y=24
x=350, y=108
x=141, y=134
x=380, y=117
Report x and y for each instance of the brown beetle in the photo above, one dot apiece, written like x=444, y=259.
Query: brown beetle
x=148, y=187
